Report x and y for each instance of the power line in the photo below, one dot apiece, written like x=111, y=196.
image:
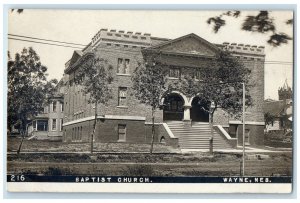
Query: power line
x=281, y=61
x=46, y=39
x=44, y=43
x=83, y=46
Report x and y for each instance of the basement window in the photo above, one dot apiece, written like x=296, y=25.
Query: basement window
x=122, y=132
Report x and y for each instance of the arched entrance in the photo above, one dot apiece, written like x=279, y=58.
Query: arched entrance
x=173, y=107
x=199, y=111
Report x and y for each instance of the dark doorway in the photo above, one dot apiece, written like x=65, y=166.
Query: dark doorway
x=173, y=108
x=199, y=110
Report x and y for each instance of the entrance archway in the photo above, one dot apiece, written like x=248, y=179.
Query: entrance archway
x=199, y=111
x=173, y=107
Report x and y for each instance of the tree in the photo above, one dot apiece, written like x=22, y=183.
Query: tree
x=94, y=76
x=221, y=84
x=149, y=82
x=260, y=23
x=19, y=11
x=269, y=119
x=27, y=89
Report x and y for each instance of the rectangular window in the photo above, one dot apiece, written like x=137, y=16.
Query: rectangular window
x=247, y=137
x=197, y=74
x=61, y=107
x=34, y=125
x=122, y=132
x=42, y=125
x=53, y=124
x=123, y=66
x=126, y=67
x=45, y=109
x=73, y=135
x=122, y=96
x=54, y=106
x=61, y=124
x=174, y=73
x=120, y=65
x=80, y=137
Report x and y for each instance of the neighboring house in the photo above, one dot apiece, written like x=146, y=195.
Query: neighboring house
x=125, y=119
x=48, y=124
x=280, y=112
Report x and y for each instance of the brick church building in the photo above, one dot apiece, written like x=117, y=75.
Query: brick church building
x=181, y=123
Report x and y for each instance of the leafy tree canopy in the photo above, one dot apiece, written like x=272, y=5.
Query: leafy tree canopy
x=260, y=23
x=221, y=83
x=28, y=88
x=94, y=76
x=149, y=80
x=269, y=118
x=18, y=10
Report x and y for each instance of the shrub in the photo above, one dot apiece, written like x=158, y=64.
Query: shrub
x=139, y=170
x=56, y=171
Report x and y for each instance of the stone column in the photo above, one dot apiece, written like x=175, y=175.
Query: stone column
x=186, y=113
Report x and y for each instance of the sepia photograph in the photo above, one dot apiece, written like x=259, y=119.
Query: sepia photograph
x=163, y=101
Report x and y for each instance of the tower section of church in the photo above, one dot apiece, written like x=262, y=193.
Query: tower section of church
x=285, y=92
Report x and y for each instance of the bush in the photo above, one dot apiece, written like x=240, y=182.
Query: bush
x=56, y=171
x=139, y=170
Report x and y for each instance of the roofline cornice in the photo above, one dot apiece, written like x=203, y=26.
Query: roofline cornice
x=73, y=67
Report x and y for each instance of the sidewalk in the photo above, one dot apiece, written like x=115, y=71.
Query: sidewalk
x=240, y=150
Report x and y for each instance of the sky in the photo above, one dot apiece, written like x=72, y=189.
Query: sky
x=79, y=26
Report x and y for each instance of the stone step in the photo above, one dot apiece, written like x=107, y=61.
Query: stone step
x=190, y=129
x=197, y=133
x=196, y=136
x=203, y=140
x=200, y=134
x=200, y=142
x=202, y=146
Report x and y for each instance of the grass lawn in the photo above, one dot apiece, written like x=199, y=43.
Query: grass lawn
x=59, y=146
x=200, y=164
x=117, y=159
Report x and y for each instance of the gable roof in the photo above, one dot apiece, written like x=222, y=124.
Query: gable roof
x=275, y=108
x=76, y=55
x=192, y=35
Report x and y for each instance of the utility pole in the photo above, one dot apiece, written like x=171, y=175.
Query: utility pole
x=211, y=140
x=243, y=129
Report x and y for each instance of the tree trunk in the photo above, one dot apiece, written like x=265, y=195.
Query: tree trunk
x=94, y=129
x=21, y=130
x=153, y=132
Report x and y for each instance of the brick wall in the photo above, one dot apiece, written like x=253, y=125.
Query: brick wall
x=256, y=134
x=77, y=107
x=107, y=131
x=255, y=112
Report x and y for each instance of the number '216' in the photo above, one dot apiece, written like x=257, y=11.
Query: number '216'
x=17, y=178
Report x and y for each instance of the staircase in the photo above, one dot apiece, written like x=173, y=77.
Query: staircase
x=196, y=136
